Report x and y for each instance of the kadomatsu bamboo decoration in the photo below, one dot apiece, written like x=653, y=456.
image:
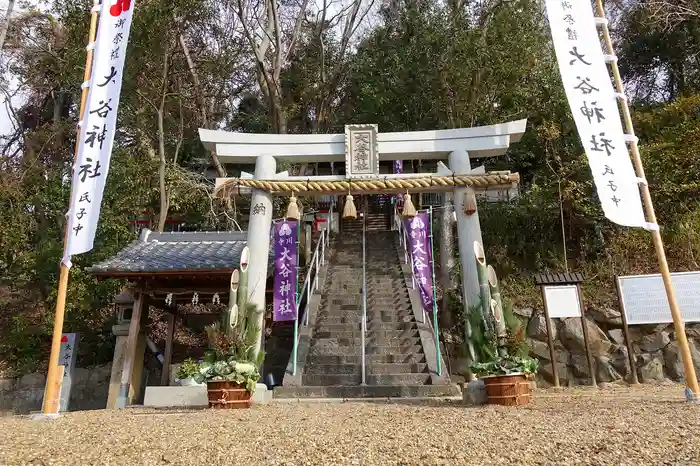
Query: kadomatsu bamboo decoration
x=243, y=285
x=484, y=290
x=497, y=308
x=231, y=314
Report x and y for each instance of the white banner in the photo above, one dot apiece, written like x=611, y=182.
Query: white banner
x=593, y=103
x=98, y=126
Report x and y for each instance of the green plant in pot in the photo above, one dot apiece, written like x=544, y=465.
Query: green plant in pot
x=231, y=367
x=500, y=348
x=506, y=365
x=231, y=356
x=188, y=373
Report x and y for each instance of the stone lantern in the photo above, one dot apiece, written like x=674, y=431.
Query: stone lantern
x=125, y=302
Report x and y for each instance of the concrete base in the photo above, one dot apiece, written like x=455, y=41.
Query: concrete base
x=43, y=417
x=193, y=396
x=474, y=393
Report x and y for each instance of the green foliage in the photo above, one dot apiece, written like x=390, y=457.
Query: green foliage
x=485, y=347
x=188, y=369
x=506, y=365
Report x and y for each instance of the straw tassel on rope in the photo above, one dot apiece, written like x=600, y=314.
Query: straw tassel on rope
x=293, y=209
x=409, y=210
x=349, y=211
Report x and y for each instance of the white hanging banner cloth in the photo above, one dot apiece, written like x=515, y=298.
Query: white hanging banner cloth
x=97, y=129
x=593, y=102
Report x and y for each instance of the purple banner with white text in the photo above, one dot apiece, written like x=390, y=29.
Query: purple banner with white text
x=418, y=229
x=285, y=280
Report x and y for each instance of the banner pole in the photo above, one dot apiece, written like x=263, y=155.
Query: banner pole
x=678, y=324
x=50, y=405
x=435, y=316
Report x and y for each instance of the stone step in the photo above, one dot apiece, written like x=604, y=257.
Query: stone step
x=368, y=391
x=371, y=368
x=372, y=325
x=371, y=379
x=398, y=379
x=327, y=349
x=370, y=335
x=370, y=358
x=331, y=379
x=390, y=368
x=372, y=313
x=332, y=369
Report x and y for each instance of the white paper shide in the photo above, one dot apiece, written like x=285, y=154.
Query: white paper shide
x=98, y=127
x=593, y=103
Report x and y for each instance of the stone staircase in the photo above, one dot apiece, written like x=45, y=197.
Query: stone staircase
x=375, y=222
x=400, y=352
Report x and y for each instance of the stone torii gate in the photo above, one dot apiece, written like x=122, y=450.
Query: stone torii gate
x=361, y=148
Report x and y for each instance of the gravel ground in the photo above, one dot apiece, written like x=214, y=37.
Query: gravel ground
x=647, y=425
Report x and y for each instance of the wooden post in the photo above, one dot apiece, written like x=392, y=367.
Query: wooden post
x=307, y=243
x=584, y=328
x=678, y=324
x=628, y=340
x=167, y=357
x=131, y=342
x=53, y=377
x=549, y=339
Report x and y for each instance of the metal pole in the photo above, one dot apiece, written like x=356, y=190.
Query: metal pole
x=296, y=306
x=435, y=317
x=364, y=291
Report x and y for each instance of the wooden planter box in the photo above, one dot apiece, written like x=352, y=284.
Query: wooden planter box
x=228, y=395
x=508, y=390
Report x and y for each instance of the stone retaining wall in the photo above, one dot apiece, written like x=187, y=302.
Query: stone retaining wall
x=655, y=349
x=23, y=395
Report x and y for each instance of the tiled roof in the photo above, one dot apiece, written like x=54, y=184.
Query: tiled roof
x=562, y=278
x=176, y=252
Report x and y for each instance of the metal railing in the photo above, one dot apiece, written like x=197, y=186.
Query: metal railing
x=311, y=283
x=408, y=256
x=364, y=294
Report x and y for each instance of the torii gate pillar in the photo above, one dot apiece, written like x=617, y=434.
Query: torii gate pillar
x=259, y=239
x=468, y=231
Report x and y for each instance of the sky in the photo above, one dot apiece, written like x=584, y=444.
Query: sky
x=5, y=119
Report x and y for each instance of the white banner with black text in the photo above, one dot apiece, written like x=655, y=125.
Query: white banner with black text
x=593, y=102
x=98, y=127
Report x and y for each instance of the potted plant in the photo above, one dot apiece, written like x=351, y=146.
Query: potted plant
x=186, y=373
x=506, y=379
x=231, y=367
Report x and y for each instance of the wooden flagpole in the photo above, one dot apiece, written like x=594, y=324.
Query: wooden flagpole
x=678, y=324
x=51, y=396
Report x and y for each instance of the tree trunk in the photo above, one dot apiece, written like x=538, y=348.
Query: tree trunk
x=164, y=202
x=220, y=170
x=6, y=24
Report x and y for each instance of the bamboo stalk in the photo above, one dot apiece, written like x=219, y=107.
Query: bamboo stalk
x=484, y=290
x=50, y=405
x=243, y=288
x=678, y=324
x=231, y=316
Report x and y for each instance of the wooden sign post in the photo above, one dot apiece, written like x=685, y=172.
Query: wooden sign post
x=562, y=298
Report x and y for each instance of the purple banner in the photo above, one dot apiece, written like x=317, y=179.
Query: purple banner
x=285, y=302
x=418, y=229
x=398, y=169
